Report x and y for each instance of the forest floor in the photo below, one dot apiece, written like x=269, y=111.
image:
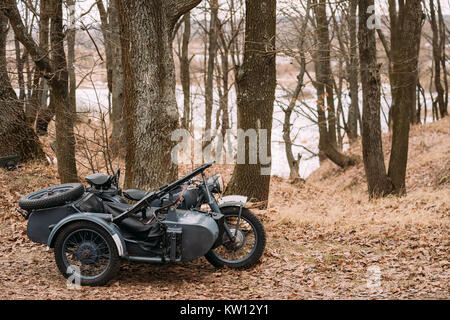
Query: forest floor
x=326, y=240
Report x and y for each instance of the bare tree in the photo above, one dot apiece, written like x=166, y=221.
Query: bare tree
x=111, y=36
x=352, y=70
x=185, y=62
x=437, y=57
x=324, y=78
x=324, y=85
x=373, y=158
x=406, y=25
x=71, y=34
x=44, y=113
x=256, y=83
x=294, y=162
x=212, y=50
x=18, y=136
x=55, y=70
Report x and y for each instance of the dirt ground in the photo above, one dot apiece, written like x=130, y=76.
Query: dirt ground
x=326, y=240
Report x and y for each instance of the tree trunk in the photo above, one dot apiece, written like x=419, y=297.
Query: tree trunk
x=55, y=70
x=44, y=113
x=353, y=111
x=387, y=49
x=437, y=58
x=406, y=25
x=324, y=76
x=18, y=136
x=59, y=98
x=185, y=72
x=150, y=105
x=19, y=66
x=256, y=93
x=294, y=163
x=114, y=70
x=373, y=158
x=71, y=33
x=212, y=50
x=324, y=85
x=443, y=36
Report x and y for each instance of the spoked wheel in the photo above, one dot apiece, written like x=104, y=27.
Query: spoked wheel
x=86, y=252
x=52, y=197
x=247, y=245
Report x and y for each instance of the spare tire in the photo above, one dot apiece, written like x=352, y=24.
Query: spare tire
x=52, y=196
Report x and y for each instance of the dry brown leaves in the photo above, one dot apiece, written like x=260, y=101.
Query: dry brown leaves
x=324, y=240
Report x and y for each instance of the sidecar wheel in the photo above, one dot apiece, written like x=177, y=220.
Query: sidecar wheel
x=52, y=196
x=87, y=254
x=249, y=245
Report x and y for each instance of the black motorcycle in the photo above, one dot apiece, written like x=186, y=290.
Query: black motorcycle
x=92, y=229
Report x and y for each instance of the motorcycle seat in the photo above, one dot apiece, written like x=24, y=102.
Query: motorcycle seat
x=134, y=194
x=98, y=179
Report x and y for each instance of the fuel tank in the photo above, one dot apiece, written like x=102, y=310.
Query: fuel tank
x=195, y=232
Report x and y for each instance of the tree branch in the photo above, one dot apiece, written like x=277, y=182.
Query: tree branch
x=180, y=7
x=38, y=55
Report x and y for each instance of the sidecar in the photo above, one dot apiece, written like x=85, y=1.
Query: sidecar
x=95, y=228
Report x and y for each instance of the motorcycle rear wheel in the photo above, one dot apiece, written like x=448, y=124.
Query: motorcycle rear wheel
x=230, y=253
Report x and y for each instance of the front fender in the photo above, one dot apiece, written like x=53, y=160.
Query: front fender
x=101, y=219
x=232, y=201
x=226, y=202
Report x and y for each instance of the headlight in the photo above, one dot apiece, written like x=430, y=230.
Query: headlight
x=216, y=181
x=220, y=185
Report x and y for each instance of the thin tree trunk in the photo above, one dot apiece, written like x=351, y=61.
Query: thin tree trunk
x=353, y=111
x=406, y=25
x=443, y=37
x=387, y=49
x=59, y=98
x=324, y=75
x=212, y=50
x=294, y=163
x=184, y=71
x=71, y=34
x=324, y=85
x=118, y=134
x=19, y=65
x=44, y=113
x=373, y=158
x=114, y=71
x=437, y=58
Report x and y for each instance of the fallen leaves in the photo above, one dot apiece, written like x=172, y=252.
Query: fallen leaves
x=322, y=240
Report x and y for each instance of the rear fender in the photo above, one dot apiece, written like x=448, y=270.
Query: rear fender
x=101, y=219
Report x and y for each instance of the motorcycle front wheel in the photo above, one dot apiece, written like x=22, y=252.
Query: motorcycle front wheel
x=247, y=247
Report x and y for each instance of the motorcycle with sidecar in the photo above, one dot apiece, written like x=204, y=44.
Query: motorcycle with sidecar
x=91, y=229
